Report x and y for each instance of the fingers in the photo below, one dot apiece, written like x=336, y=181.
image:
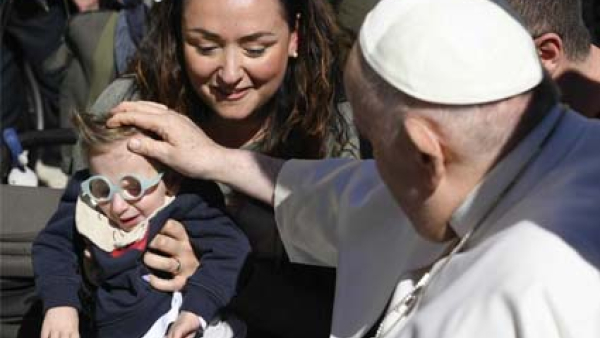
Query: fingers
x=172, y=129
x=158, y=262
x=154, y=122
x=45, y=332
x=180, y=259
x=60, y=322
x=178, y=332
x=149, y=147
x=57, y=334
x=167, y=285
x=136, y=105
x=166, y=244
x=143, y=114
x=178, y=137
x=186, y=324
x=172, y=239
x=175, y=230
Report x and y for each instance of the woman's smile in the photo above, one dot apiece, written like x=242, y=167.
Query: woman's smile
x=236, y=54
x=222, y=94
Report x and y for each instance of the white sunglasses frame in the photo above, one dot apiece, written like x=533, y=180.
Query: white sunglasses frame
x=145, y=184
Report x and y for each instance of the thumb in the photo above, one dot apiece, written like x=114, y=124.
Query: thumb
x=146, y=146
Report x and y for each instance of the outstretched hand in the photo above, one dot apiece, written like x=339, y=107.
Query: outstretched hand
x=182, y=146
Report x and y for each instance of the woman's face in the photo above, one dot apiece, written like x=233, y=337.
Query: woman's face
x=236, y=53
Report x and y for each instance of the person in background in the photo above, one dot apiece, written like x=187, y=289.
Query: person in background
x=121, y=204
x=564, y=45
x=479, y=215
x=591, y=17
x=351, y=13
x=30, y=32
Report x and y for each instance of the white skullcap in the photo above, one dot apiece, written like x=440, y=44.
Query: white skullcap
x=450, y=51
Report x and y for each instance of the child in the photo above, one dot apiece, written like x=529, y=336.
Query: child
x=122, y=204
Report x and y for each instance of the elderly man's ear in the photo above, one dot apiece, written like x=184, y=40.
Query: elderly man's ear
x=551, y=51
x=431, y=159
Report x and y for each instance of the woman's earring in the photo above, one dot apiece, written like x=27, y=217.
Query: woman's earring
x=294, y=54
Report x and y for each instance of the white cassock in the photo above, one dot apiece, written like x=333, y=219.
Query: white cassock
x=530, y=269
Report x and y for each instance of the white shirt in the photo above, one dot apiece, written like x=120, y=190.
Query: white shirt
x=530, y=270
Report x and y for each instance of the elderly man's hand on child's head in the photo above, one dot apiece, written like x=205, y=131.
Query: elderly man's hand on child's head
x=180, y=259
x=183, y=146
x=61, y=322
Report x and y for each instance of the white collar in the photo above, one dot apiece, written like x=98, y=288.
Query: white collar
x=98, y=228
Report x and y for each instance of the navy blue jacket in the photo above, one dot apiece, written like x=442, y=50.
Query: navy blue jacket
x=125, y=304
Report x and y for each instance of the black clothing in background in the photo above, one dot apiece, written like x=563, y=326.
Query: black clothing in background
x=591, y=16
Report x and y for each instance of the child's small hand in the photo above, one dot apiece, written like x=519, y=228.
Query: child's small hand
x=186, y=326
x=61, y=322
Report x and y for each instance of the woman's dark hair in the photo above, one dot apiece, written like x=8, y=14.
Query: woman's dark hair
x=306, y=122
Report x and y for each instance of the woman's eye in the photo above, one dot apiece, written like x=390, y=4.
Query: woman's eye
x=255, y=52
x=206, y=50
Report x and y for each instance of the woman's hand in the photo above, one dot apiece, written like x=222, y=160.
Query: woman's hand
x=181, y=260
x=61, y=322
x=183, y=146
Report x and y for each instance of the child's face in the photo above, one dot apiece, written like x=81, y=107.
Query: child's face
x=113, y=161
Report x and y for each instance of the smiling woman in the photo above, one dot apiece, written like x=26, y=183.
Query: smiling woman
x=262, y=75
x=265, y=73
x=236, y=64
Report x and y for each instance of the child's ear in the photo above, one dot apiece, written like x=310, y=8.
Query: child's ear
x=172, y=181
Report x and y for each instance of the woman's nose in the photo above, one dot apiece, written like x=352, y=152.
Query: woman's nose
x=231, y=69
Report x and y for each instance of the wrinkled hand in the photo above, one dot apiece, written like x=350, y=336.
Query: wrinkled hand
x=61, y=322
x=174, y=242
x=183, y=146
x=186, y=326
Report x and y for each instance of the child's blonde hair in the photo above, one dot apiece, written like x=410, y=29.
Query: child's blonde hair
x=93, y=132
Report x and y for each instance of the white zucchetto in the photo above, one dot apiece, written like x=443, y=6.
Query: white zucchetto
x=450, y=51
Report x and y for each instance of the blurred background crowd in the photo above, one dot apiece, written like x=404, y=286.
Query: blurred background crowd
x=58, y=55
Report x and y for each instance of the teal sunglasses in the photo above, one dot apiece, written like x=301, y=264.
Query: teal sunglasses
x=130, y=186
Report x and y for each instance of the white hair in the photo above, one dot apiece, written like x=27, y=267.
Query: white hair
x=471, y=132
